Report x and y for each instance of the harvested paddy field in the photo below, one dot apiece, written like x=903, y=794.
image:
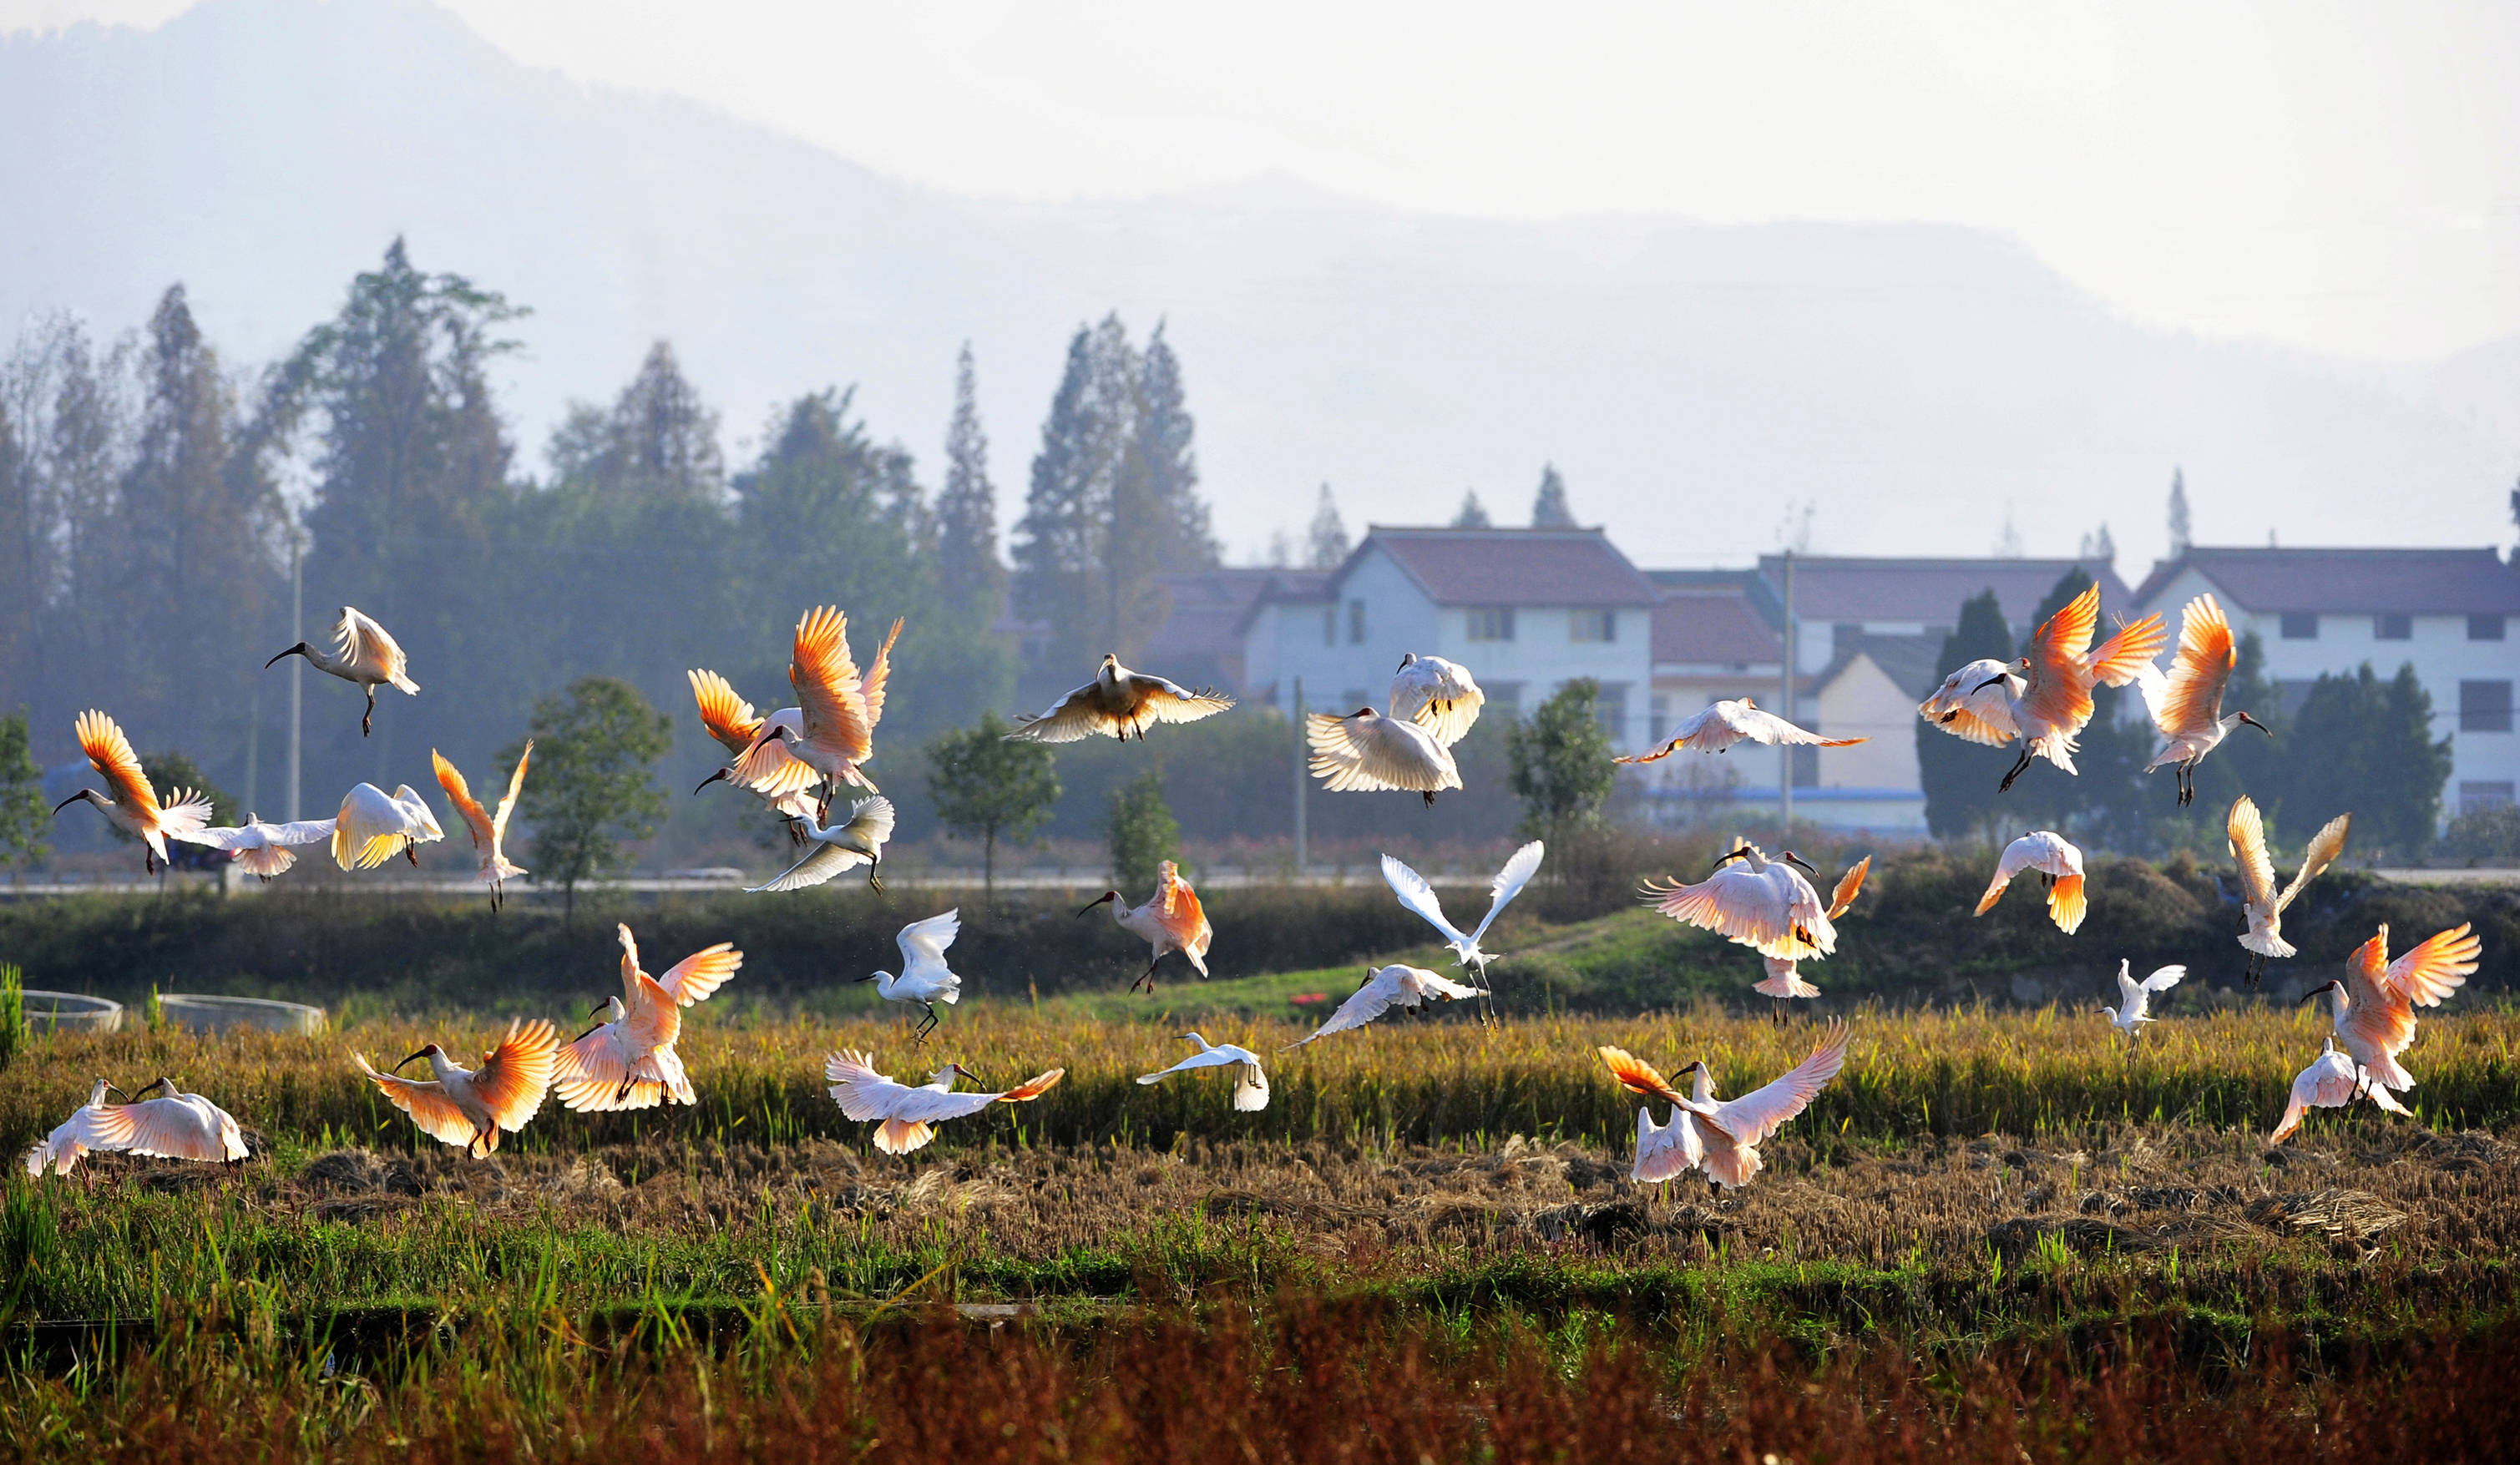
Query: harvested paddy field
x=1996, y=1233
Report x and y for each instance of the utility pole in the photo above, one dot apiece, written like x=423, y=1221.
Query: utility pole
x=1785, y=698
x=296, y=664
x=1302, y=780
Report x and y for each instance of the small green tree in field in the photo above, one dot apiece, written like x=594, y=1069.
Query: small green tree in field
x=22, y=816
x=2363, y=745
x=1142, y=831
x=1560, y=758
x=594, y=786
x=13, y=1013
x=987, y=786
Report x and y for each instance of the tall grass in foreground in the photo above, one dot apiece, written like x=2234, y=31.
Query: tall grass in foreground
x=1907, y=1075
x=1305, y=1382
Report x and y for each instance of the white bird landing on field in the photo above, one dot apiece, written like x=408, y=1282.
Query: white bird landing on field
x=2049, y=705
x=363, y=655
x=1250, y=1083
x=910, y=1115
x=2135, y=997
x=1722, y=1135
x=1394, y=986
x=1171, y=920
x=1118, y=702
x=179, y=1127
x=262, y=850
x=1367, y=752
x=2329, y=1082
x=1438, y=695
x=470, y=1106
x=2186, y=705
x=1784, y=978
x=488, y=830
x=924, y=977
x=2057, y=862
x=133, y=808
x=1720, y=725
x=628, y=1061
x=1763, y=904
x=836, y=707
x=2376, y=1002
x=761, y=766
x=2247, y=831
x=374, y=825
x=1420, y=898
x=834, y=848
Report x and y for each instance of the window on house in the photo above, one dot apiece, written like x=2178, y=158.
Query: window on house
x=2485, y=706
x=1356, y=623
x=1593, y=625
x=2392, y=625
x=2485, y=628
x=1610, y=710
x=1505, y=698
x=1491, y=622
x=2301, y=625
x=2477, y=798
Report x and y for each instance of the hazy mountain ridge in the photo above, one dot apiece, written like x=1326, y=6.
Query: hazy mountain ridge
x=1912, y=379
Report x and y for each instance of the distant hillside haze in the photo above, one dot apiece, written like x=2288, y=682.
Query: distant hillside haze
x=1911, y=383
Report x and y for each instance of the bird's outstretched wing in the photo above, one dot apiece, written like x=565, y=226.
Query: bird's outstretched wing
x=516, y=786
x=370, y=646
x=369, y=829
x=1849, y=886
x=1756, y=1115
x=1178, y=907
x=824, y=861
x=1733, y=903
x=724, y=712
x=2164, y=978
x=1073, y=717
x=861, y=1093
x=1759, y=725
x=700, y=973
x=879, y=672
x=1438, y=695
x=2435, y=968
x=2058, y=688
x=1418, y=897
x=1172, y=702
x=1507, y=884
x=1372, y=753
x=2324, y=847
x=515, y=1076
x=827, y=682
x=871, y=820
x=923, y=943
x=459, y=793
x=2192, y=698
x=2246, y=829
x=424, y=1100
x=109, y=753
x=1637, y=1075
x=1372, y=998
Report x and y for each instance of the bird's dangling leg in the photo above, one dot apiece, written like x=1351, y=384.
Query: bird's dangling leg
x=875, y=883
x=410, y=852
x=368, y=716
x=1430, y=798
x=2020, y=766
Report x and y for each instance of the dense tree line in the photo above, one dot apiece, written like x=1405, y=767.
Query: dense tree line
x=153, y=494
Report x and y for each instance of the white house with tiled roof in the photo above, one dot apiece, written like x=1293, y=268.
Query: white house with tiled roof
x=1526, y=611
x=2451, y=614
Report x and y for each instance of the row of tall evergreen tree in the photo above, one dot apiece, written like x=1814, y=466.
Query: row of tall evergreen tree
x=153, y=495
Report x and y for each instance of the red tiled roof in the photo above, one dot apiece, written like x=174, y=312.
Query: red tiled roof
x=1207, y=610
x=1513, y=566
x=1713, y=629
x=2413, y=581
x=1929, y=592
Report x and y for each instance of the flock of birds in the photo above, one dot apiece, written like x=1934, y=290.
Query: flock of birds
x=798, y=758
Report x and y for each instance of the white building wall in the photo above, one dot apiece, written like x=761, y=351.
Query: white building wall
x=1287, y=641
x=2439, y=649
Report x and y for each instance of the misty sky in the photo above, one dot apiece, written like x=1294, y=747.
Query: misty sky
x=2344, y=179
